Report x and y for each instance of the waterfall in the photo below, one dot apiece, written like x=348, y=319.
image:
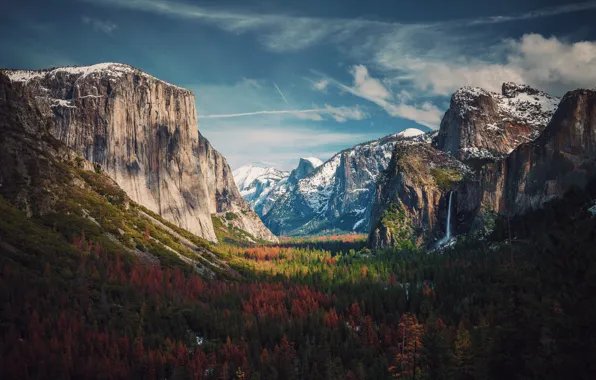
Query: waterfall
x=448, y=233
x=447, y=236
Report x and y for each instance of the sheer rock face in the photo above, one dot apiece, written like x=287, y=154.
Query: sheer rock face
x=562, y=157
x=486, y=126
x=412, y=183
x=142, y=132
x=224, y=195
x=556, y=157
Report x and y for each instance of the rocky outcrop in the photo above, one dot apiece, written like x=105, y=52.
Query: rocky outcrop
x=142, y=132
x=412, y=195
x=562, y=157
x=223, y=193
x=304, y=168
x=510, y=178
x=484, y=126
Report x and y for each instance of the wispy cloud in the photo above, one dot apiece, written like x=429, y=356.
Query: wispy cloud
x=372, y=89
x=321, y=85
x=281, y=93
x=280, y=32
x=539, y=13
x=267, y=141
x=106, y=26
x=339, y=114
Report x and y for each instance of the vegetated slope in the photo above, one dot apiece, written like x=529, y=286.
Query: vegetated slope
x=143, y=133
x=68, y=196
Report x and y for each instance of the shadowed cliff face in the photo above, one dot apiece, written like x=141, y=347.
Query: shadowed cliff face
x=556, y=158
x=142, y=132
x=562, y=157
x=411, y=196
x=223, y=194
x=485, y=126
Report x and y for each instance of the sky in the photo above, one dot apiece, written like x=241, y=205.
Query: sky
x=278, y=80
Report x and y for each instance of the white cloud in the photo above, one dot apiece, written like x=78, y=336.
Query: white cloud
x=321, y=85
x=269, y=139
x=546, y=63
x=106, y=27
x=370, y=88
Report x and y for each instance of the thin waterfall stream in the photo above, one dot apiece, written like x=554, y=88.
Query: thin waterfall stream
x=447, y=236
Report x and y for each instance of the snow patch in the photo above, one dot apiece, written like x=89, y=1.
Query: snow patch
x=358, y=223
x=410, y=132
x=111, y=69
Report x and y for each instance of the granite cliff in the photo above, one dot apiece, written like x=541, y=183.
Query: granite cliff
x=142, y=132
x=508, y=153
x=485, y=126
x=563, y=156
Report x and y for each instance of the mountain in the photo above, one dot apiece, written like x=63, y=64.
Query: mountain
x=256, y=182
x=52, y=197
x=262, y=187
x=562, y=157
x=336, y=195
x=410, y=194
x=142, y=132
x=495, y=154
x=483, y=125
x=304, y=168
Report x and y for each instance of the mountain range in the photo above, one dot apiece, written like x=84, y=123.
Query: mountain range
x=495, y=153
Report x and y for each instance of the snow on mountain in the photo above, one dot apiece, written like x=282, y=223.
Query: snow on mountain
x=337, y=194
x=485, y=125
x=314, y=161
x=410, y=132
x=256, y=182
x=113, y=71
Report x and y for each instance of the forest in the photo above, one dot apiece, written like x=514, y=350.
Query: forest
x=514, y=304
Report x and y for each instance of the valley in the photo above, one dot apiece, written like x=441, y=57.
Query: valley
x=130, y=249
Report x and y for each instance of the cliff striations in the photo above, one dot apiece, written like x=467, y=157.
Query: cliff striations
x=484, y=126
x=142, y=132
x=411, y=195
x=563, y=156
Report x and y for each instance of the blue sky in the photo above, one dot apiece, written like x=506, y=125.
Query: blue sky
x=279, y=80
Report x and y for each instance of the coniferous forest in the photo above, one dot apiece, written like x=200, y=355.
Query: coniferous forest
x=508, y=305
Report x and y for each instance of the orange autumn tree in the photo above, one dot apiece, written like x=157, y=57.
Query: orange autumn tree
x=407, y=361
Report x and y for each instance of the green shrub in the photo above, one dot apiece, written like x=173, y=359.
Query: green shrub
x=446, y=179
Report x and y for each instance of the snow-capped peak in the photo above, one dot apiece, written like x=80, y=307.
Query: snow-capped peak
x=518, y=102
x=410, y=132
x=112, y=69
x=314, y=161
x=245, y=175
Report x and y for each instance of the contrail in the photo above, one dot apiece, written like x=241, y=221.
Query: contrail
x=313, y=110
x=281, y=93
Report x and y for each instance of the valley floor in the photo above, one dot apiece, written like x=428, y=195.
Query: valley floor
x=308, y=308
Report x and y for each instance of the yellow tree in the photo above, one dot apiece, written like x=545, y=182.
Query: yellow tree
x=407, y=360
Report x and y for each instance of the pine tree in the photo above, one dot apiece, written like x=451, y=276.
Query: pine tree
x=464, y=359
